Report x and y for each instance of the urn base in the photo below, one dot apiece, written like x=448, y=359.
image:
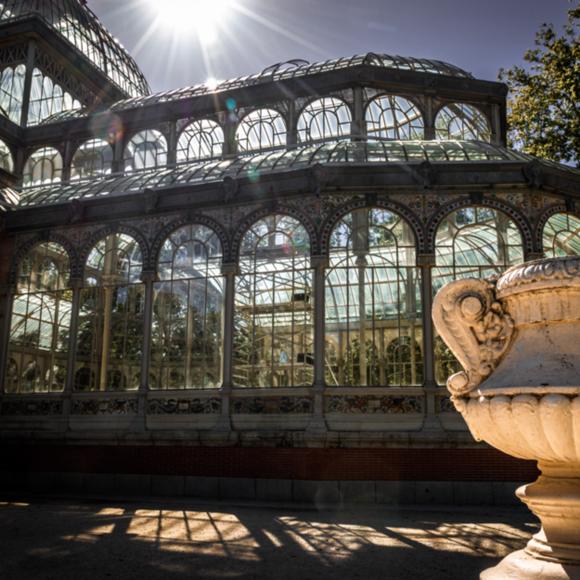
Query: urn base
x=521, y=566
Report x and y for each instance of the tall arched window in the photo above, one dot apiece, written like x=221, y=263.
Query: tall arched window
x=12, y=92
x=326, y=118
x=186, y=347
x=462, y=122
x=473, y=242
x=44, y=166
x=259, y=130
x=93, y=158
x=39, y=330
x=200, y=140
x=146, y=150
x=562, y=236
x=393, y=117
x=273, y=321
x=373, y=302
x=110, y=333
x=6, y=162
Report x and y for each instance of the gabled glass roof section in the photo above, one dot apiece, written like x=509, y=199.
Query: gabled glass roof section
x=254, y=166
x=289, y=70
x=75, y=22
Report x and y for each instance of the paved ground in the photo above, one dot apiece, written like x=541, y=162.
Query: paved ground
x=61, y=539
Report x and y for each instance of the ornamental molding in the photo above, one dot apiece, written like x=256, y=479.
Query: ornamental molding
x=475, y=326
x=537, y=273
x=369, y=404
x=197, y=406
x=272, y=405
x=512, y=212
x=105, y=407
x=32, y=408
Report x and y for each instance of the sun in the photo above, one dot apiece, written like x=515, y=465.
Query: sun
x=203, y=18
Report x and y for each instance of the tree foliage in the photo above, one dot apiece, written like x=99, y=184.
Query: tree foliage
x=543, y=106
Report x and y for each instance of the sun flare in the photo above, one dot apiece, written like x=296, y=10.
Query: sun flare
x=203, y=18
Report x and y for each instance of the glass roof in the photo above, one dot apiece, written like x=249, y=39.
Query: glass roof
x=289, y=70
x=74, y=21
x=253, y=166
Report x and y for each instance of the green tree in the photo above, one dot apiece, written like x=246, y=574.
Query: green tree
x=543, y=110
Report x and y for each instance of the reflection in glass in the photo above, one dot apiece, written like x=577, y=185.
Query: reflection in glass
x=146, y=150
x=42, y=167
x=200, y=140
x=462, y=122
x=273, y=321
x=110, y=333
x=473, y=242
x=6, y=161
x=40, y=323
x=259, y=130
x=326, y=118
x=187, y=314
x=373, y=304
x=12, y=92
x=393, y=117
x=562, y=236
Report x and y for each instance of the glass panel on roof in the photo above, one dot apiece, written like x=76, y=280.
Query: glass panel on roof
x=373, y=298
x=394, y=117
x=273, y=319
x=145, y=150
x=322, y=119
x=44, y=166
x=261, y=129
x=462, y=121
x=40, y=322
x=562, y=236
x=200, y=140
x=93, y=158
x=12, y=92
x=188, y=311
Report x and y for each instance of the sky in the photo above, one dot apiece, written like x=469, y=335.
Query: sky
x=480, y=36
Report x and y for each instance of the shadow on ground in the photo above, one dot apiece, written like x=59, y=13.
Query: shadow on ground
x=80, y=539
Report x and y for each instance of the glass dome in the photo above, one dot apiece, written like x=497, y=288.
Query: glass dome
x=74, y=21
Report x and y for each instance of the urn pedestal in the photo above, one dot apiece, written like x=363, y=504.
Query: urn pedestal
x=518, y=339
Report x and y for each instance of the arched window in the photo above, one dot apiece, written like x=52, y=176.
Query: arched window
x=393, y=117
x=200, y=140
x=473, y=242
x=40, y=323
x=6, y=161
x=188, y=309
x=273, y=322
x=326, y=118
x=44, y=166
x=12, y=92
x=259, y=130
x=562, y=236
x=462, y=122
x=93, y=158
x=110, y=333
x=146, y=150
x=373, y=300
x=47, y=98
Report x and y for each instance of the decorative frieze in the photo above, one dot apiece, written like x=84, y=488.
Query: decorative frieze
x=197, y=406
x=272, y=405
x=370, y=404
x=105, y=407
x=33, y=408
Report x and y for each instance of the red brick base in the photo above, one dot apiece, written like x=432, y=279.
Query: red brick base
x=271, y=463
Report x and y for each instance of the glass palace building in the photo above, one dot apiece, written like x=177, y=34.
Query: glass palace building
x=236, y=280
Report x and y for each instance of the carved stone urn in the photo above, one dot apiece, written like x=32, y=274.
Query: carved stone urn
x=518, y=339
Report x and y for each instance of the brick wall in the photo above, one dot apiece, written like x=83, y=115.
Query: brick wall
x=474, y=464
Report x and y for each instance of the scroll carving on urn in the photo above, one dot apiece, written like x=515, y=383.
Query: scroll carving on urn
x=518, y=340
